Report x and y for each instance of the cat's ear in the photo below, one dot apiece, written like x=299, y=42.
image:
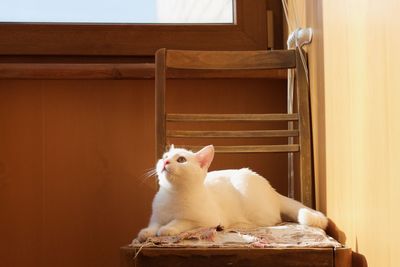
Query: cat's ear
x=172, y=147
x=205, y=156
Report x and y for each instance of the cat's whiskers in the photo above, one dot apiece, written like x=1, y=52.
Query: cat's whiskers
x=147, y=174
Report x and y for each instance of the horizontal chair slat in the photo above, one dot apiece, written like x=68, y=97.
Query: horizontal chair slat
x=280, y=74
x=248, y=149
x=231, y=134
x=231, y=60
x=230, y=117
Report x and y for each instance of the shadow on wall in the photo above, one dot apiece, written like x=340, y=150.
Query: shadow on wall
x=358, y=260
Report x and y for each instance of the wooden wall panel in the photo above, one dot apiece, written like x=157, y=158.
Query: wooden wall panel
x=73, y=162
x=355, y=90
x=95, y=146
x=21, y=184
x=73, y=154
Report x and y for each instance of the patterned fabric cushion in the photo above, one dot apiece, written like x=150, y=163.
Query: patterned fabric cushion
x=285, y=235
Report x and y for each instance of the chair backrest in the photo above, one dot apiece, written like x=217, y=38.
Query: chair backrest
x=168, y=62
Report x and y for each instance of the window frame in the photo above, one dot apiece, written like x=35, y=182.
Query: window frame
x=248, y=32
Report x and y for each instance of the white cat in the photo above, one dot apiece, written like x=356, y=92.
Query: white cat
x=190, y=197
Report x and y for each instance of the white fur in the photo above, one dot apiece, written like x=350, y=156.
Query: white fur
x=189, y=197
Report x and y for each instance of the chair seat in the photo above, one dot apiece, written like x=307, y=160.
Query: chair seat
x=249, y=257
x=287, y=244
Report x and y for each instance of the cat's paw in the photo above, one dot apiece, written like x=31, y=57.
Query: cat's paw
x=312, y=218
x=146, y=233
x=167, y=231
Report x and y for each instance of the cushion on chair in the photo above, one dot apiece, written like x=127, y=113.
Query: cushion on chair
x=285, y=235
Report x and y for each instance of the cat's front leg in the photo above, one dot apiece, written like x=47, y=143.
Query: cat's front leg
x=176, y=227
x=149, y=231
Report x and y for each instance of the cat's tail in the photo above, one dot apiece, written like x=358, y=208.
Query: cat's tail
x=297, y=212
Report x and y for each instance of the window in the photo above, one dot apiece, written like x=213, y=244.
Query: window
x=248, y=31
x=118, y=11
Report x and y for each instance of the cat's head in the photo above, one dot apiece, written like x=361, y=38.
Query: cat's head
x=180, y=167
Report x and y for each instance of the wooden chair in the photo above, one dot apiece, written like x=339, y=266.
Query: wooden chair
x=171, y=62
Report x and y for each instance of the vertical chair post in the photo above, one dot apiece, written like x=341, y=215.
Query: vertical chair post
x=303, y=104
x=160, y=102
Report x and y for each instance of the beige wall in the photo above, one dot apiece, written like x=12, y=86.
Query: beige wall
x=355, y=83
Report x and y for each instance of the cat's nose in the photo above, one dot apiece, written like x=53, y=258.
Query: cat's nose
x=166, y=162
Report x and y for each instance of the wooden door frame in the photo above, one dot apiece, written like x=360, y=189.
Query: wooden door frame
x=249, y=32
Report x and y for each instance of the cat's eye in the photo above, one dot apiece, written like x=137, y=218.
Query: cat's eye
x=181, y=159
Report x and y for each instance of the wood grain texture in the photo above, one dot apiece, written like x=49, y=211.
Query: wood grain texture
x=343, y=257
x=322, y=257
x=73, y=156
x=75, y=59
x=21, y=177
x=248, y=149
x=160, y=113
x=303, y=104
x=116, y=71
x=278, y=23
x=230, y=117
x=75, y=71
x=248, y=33
x=231, y=60
x=210, y=74
x=311, y=15
x=67, y=166
x=231, y=134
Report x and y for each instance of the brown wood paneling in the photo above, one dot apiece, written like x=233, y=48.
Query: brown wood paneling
x=72, y=59
x=97, y=150
x=279, y=22
x=76, y=71
x=73, y=154
x=21, y=176
x=116, y=71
